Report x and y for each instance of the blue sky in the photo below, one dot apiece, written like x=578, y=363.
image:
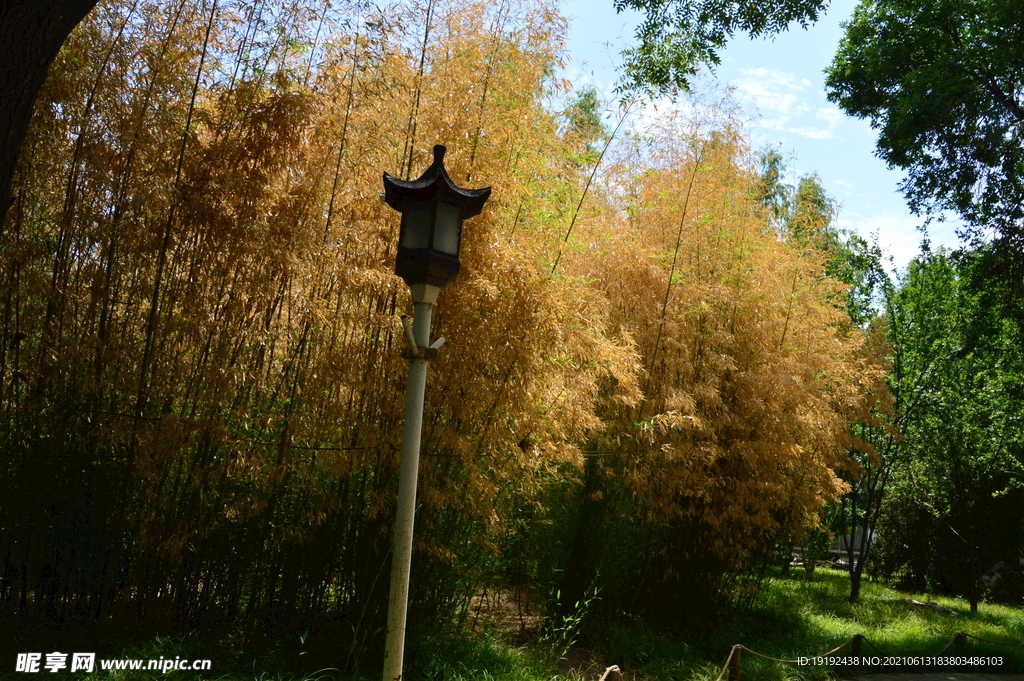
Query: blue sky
x=780, y=84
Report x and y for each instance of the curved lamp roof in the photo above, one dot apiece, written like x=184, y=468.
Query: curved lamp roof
x=434, y=182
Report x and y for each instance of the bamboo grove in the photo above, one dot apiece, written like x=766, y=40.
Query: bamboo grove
x=201, y=376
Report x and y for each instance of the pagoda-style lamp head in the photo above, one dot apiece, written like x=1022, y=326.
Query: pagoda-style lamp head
x=433, y=209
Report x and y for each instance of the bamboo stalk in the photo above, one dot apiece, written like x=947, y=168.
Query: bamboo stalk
x=586, y=188
x=147, y=353
x=410, y=146
x=671, y=273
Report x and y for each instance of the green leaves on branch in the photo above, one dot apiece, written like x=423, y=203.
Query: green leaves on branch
x=678, y=36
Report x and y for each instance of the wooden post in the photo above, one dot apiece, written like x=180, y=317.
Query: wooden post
x=856, y=645
x=959, y=641
x=734, y=664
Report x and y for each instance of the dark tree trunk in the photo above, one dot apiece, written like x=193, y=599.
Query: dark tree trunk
x=581, y=569
x=854, y=585
x=975, y=596
x=31, y=34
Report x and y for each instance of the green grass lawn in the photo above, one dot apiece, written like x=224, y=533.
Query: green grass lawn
x=794, y=618
x=790, y=618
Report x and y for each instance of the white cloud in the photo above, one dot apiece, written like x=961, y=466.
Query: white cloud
x=811, y=133
x=694, y=113
x=649, y=114
x=772, y=92
x=830, y=115
x=899, y=234
x=784, y=101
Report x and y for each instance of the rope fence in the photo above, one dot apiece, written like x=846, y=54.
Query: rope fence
x=995, y=643
x=732, y=663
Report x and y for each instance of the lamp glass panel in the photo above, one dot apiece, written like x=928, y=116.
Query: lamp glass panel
x=416, y=219
x=447, y=228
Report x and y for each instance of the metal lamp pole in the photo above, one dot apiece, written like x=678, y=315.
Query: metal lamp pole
x=394, y=647
x=433, y=208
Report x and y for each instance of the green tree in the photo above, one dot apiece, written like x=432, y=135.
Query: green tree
x=941, y=82
x=769, y=189
x=583, y=119
x=812, y=212
x=961, y=454
x=584, y=116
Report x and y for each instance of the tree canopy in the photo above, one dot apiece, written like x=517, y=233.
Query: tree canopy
x=941, y=82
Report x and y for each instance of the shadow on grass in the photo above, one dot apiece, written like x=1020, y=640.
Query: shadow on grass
x=895, y=627
x=792, y=618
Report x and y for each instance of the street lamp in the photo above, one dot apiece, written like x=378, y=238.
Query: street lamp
x=433, y=209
